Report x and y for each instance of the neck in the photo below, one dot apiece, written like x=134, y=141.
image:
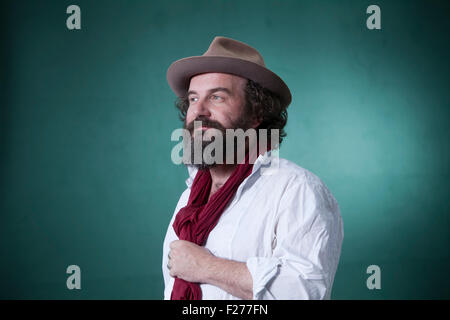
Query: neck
x=220, y=174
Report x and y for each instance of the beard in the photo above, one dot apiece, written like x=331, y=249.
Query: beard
x=198, y=144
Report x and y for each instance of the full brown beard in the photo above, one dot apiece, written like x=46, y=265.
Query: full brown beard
x=242, y=123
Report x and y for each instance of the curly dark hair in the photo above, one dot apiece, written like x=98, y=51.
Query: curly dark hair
x=260, y=102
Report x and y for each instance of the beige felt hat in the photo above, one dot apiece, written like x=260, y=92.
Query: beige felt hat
x=227, y=55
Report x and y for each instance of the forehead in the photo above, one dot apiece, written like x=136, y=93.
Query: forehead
x=207, y=81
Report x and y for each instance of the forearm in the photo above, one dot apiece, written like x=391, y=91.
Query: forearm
x=231, y=276
x=194, y=263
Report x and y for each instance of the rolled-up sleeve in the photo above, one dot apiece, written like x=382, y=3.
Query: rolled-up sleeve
x=307, y=240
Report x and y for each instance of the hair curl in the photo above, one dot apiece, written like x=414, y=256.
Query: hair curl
x=261, y=103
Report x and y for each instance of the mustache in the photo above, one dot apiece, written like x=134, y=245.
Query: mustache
x=206, y=123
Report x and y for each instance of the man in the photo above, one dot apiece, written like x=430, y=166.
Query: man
x=236, y=232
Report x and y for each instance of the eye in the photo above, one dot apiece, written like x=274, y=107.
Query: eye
x=193, y=99
x=216, y=98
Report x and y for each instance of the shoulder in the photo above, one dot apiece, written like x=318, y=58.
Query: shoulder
x=182, y=202
x=300, y=191
x=288, y=172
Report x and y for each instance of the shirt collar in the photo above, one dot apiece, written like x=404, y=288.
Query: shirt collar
x=262, y=160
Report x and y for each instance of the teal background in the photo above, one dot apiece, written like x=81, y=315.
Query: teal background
x=86, y=117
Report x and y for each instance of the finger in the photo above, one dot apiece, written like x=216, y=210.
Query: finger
x=173, y=244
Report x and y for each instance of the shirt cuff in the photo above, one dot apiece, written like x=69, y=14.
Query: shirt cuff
x=262, y=271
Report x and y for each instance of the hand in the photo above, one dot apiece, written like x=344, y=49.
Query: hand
x=188, y=261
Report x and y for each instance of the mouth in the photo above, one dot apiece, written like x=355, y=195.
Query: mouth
x=203, y=131
x=203, y=128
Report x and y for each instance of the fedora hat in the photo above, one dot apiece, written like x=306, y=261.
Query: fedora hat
x=226, y=55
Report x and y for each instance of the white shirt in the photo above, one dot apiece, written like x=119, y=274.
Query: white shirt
x=283, y=223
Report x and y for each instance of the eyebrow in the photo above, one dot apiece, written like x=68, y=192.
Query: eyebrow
x=212, y=90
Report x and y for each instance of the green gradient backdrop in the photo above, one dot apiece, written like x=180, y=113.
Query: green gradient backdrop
x=86, y=118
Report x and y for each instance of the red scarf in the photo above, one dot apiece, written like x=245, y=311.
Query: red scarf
x=195, y=221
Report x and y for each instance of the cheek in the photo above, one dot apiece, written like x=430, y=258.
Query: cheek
x=226, y=120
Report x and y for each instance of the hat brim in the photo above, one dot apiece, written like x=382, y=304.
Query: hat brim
x=181, y=71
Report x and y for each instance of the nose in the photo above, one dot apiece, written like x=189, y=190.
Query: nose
x=200, y=109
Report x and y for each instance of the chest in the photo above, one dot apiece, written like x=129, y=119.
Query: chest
x=245, y=229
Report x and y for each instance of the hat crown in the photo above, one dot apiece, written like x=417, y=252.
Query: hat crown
x=226, y=47
x=230, y=56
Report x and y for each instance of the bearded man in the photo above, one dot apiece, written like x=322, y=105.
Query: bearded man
x=238, y=232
